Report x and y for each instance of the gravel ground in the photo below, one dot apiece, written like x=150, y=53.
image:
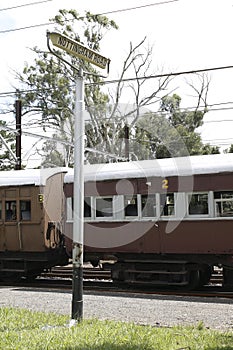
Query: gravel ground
x=157, y=310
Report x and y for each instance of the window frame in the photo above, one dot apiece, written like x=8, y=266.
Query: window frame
x=161, y=215
x=10, y=202
x=138, y=206
x=29, y=211
x=107, y=217
x=196, y=215
x=222, y=200
x=143, y=217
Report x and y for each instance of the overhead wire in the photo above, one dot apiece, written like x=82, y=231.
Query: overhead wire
x=172, y=74
x=127, y=79
x=113, y=81
x=24, y=5
x=28, y=27
x=98, y=14
x=137, y=7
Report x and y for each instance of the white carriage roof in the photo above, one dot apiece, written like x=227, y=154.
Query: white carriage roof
x=37, y=177
x=182, y=166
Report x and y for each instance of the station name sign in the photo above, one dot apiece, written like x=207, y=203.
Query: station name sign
x=76, y=49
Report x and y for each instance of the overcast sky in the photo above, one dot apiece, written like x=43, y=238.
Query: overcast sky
x=186, y=35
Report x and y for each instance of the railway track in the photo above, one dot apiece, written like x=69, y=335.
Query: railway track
x=96, y=279
x=107, y=287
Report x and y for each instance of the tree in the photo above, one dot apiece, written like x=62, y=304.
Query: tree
x=51, y=95
x=208, y=149
x=109, y=125
x=7, y=147
x=50, y=84
x=229, y=150
x=171, y=133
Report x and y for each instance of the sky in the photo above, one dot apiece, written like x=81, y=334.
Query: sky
x=185, y=34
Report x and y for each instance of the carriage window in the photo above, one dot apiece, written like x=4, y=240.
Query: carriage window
x=69, y=208
x=10, y=209
x=131, y=205
x=223, y=203
x=104, y=207
x=87, y=207
x=167, y=204
x=148, y=203
x=198, y=204
x=25, y=210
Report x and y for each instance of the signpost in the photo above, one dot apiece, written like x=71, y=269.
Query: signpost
x=74, y=48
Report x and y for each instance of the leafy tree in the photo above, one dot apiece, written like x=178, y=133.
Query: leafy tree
x=229, y=150
x=109, y=125
x=52, y=158
x=7, y=148
x=50, y=84
x=208, y=149
x=170, y=133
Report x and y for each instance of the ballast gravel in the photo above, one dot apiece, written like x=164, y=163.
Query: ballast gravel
x=155, y=310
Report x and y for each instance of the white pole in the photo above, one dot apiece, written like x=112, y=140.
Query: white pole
x=78, y=195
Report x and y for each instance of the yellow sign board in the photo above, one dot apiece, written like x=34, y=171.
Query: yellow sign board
x=76, y=49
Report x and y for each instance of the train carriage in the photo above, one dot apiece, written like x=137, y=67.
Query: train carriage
x=164, y=222
x=31, y=211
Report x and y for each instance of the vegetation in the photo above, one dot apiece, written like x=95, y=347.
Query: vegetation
x=52, y=83
x=170, y=133
x=7, y=147
x=22, y=329
x=47, y=93
x=229, y=150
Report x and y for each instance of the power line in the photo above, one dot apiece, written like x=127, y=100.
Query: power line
x=137, y=7
x=65, y=142
x=23, y=5
x=218, y=121
x=220, y=141
x=188, y=109
x=166, y=75
x=28, y=27
x=98, y=14
x=203, y=70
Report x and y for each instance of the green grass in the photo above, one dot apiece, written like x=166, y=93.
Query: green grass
x=21, y=329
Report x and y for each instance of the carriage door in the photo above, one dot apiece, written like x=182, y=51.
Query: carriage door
x=10, y=217
x=22, y=231
x=30, y=220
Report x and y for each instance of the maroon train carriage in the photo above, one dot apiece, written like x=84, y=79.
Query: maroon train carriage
x=165, y=222
x=31, y=209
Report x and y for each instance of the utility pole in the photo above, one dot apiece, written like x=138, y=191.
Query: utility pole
x=18, y=109
x=127, y=141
